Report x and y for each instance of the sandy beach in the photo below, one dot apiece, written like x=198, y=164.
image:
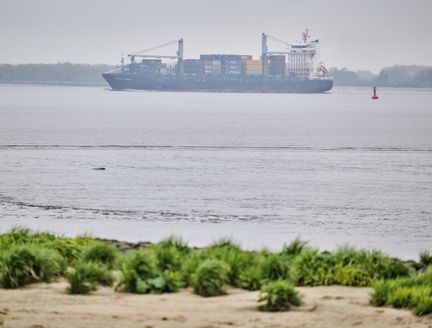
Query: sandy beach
x=48, y=306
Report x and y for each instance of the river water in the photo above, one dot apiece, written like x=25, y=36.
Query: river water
x=333, y=169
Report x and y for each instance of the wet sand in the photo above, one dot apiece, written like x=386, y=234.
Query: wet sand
x=48, y=306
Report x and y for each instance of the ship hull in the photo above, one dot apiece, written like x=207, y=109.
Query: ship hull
x=119, y=80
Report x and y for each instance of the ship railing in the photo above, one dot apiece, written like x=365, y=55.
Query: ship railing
x=322, y=78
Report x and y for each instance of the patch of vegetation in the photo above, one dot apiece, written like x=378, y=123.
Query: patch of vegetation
x=274, y=267
x=84, y=277
x=425, y=258
x=294, y=248
x=210, y=278
x=189, y=266
x=412, y=293
x=231, y=253
x=168, y=257
x=279, y=295
x=100, y=252
x=69, y=248
x=163, y=282
x=346, y=266
x=140, y=275
x=27, y=257
x=136, y=267
x=251, y=278
x=176, y=242
x=23, y=265
x=226, y=243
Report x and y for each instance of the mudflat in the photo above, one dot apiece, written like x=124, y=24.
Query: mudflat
x=48, y=306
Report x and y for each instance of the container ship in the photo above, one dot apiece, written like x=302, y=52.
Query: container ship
x=293, y=70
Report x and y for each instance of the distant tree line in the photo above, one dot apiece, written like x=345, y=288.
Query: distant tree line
x=394, y=76
x=85, y=74
x=61, y=73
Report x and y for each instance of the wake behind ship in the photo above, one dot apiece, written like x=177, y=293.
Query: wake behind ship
x=290, y=71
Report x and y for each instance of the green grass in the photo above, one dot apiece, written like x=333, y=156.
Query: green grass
x=210, y=278
x=141, y=275
x=294, y=248
x=251, y=278
x=168, y=257
x=231, y=253
x=23, y=265
x=274, y=267
x=412, y=293
x=136, y=267
x=69, y=248
x=100, y=252
x=346, y=266
x=425, y=258
x=84, y=277
x=279, y=295
x=175, y=242
x=27, y=257
x=163, y=282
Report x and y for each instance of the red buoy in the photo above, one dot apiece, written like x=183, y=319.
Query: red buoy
x=374, y=95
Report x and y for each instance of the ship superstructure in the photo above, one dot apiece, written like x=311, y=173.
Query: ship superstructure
x=291, y=70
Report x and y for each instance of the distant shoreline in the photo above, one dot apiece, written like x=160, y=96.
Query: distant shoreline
x=60, y=84
x=397, y=76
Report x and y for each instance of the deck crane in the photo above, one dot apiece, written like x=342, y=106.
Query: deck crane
x=179, y=55
x=265, y=52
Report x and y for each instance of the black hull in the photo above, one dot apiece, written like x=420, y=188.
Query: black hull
x=122, y=80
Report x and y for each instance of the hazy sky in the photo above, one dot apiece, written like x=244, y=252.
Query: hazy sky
x=356, y=34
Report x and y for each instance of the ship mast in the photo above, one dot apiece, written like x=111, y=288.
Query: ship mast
x=264, y=51
x=306, y=36
x=180, y=64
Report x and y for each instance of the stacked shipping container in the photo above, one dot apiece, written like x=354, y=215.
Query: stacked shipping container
x=219, y=64
x=212, y=67
x=232, y=64
x=276, y=65
x=147, y=66
x=192, y=66
x=296, y=65
x=253, y=67
x=223, y=64
x=211, y=64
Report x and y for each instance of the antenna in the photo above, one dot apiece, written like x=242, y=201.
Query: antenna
x=306, y=35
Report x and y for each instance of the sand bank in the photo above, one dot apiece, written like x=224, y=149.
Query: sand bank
x=48, y=306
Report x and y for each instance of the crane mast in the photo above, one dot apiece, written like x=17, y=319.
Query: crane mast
x=179, y=55
x=264, y=51
x=180, y=64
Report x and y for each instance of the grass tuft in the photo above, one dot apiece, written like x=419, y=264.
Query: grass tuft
x=425, y=258
x=84, y=276
x=412, y=293
x=23, y=265
x=136, y=267
x=279, y=295
x=140, y=275
x=168, y=257
x=294, y=248
x=210, y=278
x=175, y=242
x=274, y=267
x=100, y=252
